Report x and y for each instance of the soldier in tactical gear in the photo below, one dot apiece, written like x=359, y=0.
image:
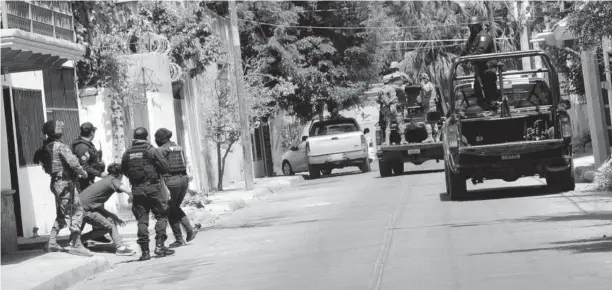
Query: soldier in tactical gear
x=427, y=100
x=177, y=181
x=64, y=168
x=394, y=87
x=143, y=164
x=85, y=150
x=481, y=42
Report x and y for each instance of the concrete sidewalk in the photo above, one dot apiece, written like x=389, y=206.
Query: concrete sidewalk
x=35, y=269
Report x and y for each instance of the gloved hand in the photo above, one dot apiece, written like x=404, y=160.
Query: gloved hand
x=83, y=175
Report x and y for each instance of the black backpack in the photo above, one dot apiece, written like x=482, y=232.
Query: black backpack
x=44, y=156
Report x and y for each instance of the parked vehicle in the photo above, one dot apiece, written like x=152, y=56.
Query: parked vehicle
x=330, y=144
x=531, y=136
x=393, y=155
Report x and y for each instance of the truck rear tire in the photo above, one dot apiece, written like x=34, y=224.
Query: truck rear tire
x=455, y=184
x=314, y=172
x=384, y=168
x=561, y=181
x=326, y=171
x=365, y=166
x=398, y=167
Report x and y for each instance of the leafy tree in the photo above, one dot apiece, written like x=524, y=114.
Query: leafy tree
x=331, y=68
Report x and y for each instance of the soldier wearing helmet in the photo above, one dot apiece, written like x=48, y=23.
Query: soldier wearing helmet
x=394, y=87
x=143, y=165
x=177, y=181
x=63, y=166
x=427, y=100
x=481, y=42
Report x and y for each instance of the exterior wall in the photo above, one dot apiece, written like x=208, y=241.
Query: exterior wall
x=37, y=202
x=4, y=152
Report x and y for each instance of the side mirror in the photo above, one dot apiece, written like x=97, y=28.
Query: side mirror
x=366, y=131
x=304, y=138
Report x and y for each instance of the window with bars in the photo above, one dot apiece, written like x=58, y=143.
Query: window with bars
x=61, y=101
x=29, y=119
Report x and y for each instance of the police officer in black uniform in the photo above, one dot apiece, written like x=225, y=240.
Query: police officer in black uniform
x=177, y=181
x=88, y=155
x=481, y=42
x=143, y=165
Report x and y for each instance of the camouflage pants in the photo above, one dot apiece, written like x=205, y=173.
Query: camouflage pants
x=68, y=205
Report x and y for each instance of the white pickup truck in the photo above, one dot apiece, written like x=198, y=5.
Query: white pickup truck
x=335, y=143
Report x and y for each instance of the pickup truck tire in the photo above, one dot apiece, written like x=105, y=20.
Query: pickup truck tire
x=287, y=169
x=384, y=168
x=561, y=181
x=326, y=171
x=365, y=166
x=455, y=184
x=314, y=172
x=398, y=167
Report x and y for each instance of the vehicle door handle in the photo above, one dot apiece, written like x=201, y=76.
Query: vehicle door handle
x=334, y=138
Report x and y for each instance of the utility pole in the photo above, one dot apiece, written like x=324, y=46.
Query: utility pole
x=244, y=114
x=595, y=107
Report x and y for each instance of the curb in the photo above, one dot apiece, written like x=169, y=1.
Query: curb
x=73, y=276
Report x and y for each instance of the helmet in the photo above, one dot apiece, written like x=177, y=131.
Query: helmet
x=53, y=128
x=474, y=20
x=424, y=76
x=141, y=133
x=394, y=64
x=162, y=134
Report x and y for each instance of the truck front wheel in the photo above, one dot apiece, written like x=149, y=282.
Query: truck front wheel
x=455, y=184
x=384, y=168
x=314, y=172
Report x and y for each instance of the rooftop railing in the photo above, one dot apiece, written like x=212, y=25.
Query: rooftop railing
x=48, y=18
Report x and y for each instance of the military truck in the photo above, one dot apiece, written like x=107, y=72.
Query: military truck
x=392, y=155
x=529, y=135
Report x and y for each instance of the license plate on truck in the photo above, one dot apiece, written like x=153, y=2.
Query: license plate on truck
x=414, y=151
x=511, y=157
x=336, y=157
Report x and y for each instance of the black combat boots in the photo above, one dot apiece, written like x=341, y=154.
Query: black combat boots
x=146, y=255
x=161, y=250
x=191, y=232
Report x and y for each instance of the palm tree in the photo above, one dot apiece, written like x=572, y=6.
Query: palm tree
x=432, y=33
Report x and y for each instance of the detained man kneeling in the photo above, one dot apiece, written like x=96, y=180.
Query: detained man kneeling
x=101, y=220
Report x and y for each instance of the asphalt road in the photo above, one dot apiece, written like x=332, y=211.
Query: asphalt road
x=359, y=231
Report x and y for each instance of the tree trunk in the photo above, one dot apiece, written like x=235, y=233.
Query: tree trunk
x=118, y=126
x=220, y=168
x=222, y=163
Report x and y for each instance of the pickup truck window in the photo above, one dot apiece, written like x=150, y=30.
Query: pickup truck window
x=333, y=128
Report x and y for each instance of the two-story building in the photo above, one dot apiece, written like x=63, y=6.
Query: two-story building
x=38, y=84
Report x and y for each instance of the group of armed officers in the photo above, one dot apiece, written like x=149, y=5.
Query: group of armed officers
x=80, y=199
x=479, y=42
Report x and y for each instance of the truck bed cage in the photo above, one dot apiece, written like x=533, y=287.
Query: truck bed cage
x=500, y=55
x=542, y=70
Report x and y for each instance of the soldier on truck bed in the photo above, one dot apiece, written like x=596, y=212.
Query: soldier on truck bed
x=394, y=85
x=481, y=42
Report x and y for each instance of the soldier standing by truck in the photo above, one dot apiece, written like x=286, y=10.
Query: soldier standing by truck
x=394, y=85
x=64, y=168
x=427, y=100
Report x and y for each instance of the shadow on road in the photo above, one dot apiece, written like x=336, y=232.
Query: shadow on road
x=502, y=193
x=583, y=246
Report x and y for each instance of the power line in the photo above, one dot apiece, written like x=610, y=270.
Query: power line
x=353, y=27
x=434, y=40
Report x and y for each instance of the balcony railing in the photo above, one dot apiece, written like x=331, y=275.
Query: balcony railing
x=48, y=18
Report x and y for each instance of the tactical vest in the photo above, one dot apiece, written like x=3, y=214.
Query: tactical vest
x=141, y=164
x=93, y=153
x=44, y=156
x=176, y=160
